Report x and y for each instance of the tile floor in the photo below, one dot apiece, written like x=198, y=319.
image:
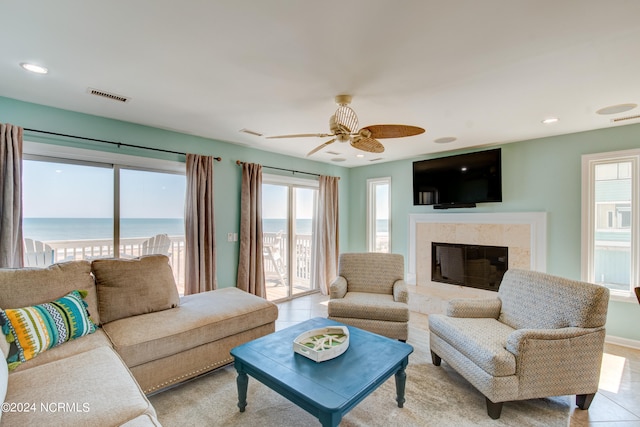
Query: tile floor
x=617, y=403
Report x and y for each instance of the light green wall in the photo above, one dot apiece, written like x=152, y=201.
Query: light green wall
x=226, y=173
x=538, y=175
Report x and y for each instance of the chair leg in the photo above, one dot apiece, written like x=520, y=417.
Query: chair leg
x=435, y=359
x=583, y=401
x=493, y=409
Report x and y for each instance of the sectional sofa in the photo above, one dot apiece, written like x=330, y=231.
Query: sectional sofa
x=139, y=338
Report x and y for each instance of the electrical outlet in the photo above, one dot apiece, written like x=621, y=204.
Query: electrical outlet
x=229, y=237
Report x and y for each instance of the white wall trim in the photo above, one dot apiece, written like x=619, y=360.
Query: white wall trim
x=537, y=221
x=107, y=157
x=625, y=342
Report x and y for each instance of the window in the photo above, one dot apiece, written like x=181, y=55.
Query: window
x=79, y=209
x=610, y=221
x=68, y=207
x=288, y=210
x=379, y=215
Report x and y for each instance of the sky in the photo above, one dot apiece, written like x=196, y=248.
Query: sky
x=61, y=190
x=274, y=202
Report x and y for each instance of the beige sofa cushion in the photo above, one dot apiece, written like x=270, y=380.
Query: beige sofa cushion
x=30, y=286
x=128, y=287
x=70, y=348
x=535, y=300
x=4, y=380
x=98, y=388
x=482, y=340
x=371, y=272
x=364, y=305
x=200, y=319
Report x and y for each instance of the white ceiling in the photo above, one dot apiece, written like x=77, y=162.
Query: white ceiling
x=485, y=72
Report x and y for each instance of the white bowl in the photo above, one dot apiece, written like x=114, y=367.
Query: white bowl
x=323, y=343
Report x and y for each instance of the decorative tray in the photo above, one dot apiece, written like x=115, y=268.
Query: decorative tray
x=323, y=343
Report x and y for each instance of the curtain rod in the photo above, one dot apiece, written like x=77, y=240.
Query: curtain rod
x=119, y=144
x=238, y=162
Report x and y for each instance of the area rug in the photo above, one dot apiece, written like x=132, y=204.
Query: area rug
x=435, y=396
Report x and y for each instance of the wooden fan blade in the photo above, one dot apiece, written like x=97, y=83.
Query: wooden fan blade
x=346, y=117
x=301, y=135
x=321, y=146
x=367, y=144
x=393, y=131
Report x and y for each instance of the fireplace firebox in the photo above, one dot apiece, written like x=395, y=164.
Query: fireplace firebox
x=475, y=266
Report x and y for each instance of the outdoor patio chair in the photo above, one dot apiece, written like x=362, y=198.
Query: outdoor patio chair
x=38, y=254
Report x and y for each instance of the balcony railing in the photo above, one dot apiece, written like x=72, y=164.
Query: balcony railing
x=275, y=256
x=68, y=250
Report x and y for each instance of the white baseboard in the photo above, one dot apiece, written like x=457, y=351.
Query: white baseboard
x=625, y=342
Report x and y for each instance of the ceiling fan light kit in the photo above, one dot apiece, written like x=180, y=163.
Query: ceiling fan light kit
x=344, y=124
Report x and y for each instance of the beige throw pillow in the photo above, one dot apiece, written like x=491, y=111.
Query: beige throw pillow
x=128, y=287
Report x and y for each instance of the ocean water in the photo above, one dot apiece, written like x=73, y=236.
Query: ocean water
x=52, y=229
x=304, y=226
x=273, y=225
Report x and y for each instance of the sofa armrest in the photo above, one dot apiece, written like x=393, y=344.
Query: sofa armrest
x=518, y=340
x=479, y=308
x=553, y=362
x=338, y=288
x=400, y=291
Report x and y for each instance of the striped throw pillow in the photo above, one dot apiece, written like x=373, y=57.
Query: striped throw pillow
x=32, y=330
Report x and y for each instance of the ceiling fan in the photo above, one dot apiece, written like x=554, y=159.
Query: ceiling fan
x=344, y=127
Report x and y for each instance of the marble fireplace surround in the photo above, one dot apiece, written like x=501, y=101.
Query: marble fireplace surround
x=524, y=233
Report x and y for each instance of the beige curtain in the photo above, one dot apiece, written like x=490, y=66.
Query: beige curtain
x=325, y=245
x=200, y=236
x=11, y=247
x=250, y=261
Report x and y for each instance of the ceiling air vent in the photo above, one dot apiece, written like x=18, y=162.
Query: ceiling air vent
x=107, y=95
x=333, y=153
x=621, y=119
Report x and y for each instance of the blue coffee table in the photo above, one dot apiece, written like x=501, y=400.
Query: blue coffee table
x=330, y=389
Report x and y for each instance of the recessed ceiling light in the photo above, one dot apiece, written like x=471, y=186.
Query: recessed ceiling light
x=614, y=109
x=550, y=120
x=445, y=140
x=359, y=156
x=34, y=68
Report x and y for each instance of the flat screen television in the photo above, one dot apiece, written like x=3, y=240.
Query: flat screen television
x=458, y=181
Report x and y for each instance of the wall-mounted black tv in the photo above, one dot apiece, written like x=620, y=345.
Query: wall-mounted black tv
x=458, y=181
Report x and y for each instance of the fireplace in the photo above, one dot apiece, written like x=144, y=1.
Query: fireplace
x=475, y=266
x=523, y=233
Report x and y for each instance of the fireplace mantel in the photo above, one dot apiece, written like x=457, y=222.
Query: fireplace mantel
x=537, y=222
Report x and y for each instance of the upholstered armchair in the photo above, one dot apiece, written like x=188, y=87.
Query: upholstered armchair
x=370, y=293
x=541, y=336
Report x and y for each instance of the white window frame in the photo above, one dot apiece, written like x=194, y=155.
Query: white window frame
x=35, y=150
x=372, y=183
x=589, y=162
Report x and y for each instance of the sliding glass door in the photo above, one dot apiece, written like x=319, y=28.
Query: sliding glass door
x=288, y=209
x=87, y=210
